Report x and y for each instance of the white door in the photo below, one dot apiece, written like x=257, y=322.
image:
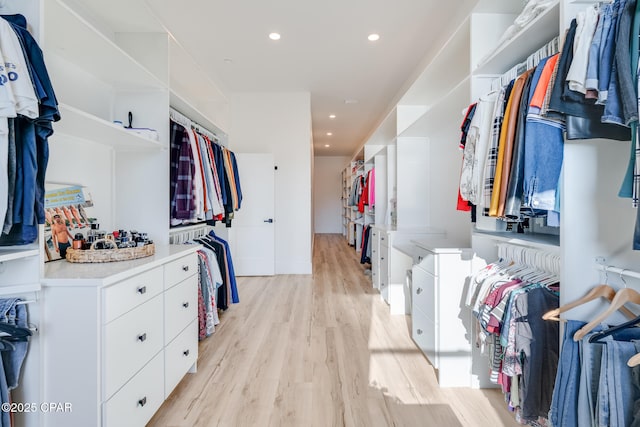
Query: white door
x=252, y=227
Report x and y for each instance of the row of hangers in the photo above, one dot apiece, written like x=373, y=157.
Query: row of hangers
x=617, y=300
x=183, y=120
x=529, y=265
x=549, y=49
x=179, y=236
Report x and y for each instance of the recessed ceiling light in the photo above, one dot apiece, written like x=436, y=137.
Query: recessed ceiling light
x=332, y=116
x=329, y=133
x=327, y=145
x=274, y=36
x=350, y=101
x=373, y=37
x=228, y=60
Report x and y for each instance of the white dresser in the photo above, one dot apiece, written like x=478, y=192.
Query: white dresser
x=389, y=265
x=118, y=337
x=441, y=324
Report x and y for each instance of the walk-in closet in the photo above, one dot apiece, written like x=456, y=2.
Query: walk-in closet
x=319, y=214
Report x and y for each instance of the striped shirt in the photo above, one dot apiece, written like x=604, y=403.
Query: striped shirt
x=492, y=151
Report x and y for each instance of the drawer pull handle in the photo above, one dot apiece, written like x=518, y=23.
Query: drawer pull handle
x=420, y=259
x=186, y=352
x=381, y=258
x=142, y=290
x=419, y=331
x=185, y=268
x=142, y=401
x=185, y=304
x=419, y=291
x=143, y=337
x=382, y=238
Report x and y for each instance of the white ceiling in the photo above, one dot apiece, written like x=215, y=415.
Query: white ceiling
x=324, y=50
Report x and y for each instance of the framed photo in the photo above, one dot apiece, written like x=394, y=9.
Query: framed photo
x=67, y=217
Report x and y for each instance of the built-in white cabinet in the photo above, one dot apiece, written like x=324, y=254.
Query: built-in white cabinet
x=128, y=330
x=441, y=324
x=375, y=257
x=392, y=259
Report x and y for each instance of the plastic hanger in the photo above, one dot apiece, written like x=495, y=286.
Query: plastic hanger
x=16, y=333
x=622, y=297
x=598, y=336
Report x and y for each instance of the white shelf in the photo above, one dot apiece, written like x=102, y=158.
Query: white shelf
x=82, y=125
x=449, y=106
x=70, y=36
x=532, y=37
x=14, y=253
x=20, y=289
x=541, y=241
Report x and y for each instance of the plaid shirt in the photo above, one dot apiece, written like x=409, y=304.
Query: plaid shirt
x=181, y=174
x=492, y=152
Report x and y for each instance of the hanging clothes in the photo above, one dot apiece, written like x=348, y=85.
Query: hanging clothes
x=204, y=179
x=14, y=345
x=28, y=107
x=508, y=300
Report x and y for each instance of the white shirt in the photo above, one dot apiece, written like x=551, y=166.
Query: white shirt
x=17, y=72
x=577, y=74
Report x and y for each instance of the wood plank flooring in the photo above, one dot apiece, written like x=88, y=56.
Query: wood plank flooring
x=319, y=350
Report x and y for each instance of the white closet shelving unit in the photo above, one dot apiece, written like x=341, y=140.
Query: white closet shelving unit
x=489, y=61
x=102, y=67
x=21, y=269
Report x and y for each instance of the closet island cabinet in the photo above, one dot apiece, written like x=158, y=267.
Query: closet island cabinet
x=119, y=337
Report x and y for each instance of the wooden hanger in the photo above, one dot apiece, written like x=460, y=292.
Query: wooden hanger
x=634, y=360
x=600, y=291
x=622, y=297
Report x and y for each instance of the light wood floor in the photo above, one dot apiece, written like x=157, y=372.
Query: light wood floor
x=319, y=350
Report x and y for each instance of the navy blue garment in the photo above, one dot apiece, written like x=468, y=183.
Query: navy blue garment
x=31, y=146
x=236, y=176
x=35, y=59
x=565, y=101
x=232, y=274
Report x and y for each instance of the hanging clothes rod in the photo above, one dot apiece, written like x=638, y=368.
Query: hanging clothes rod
x=617, y=270
x=185, y=234
x=180, y=118
x=551, y=48
x=537, y=258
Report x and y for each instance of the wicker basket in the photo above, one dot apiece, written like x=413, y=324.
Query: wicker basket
x=109, y=255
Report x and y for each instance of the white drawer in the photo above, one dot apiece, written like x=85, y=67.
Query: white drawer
x=424, y=293
x=130, y=342
x=425, y=334
x=180, y=269
x=180, y=355
x=139, y=399
x=426, y=259
x=129, y=293
x=384, y=239
x=180, y=307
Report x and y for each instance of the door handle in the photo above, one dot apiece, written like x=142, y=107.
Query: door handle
x=270, y=220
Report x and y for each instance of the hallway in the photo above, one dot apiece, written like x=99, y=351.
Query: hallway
x=320, y=350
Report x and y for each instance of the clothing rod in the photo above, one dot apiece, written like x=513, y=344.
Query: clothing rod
x=186, y=121
x=550, y=48
x=31, y=301
x=618, y=270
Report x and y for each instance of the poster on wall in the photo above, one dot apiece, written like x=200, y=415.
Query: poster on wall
x=67, y=213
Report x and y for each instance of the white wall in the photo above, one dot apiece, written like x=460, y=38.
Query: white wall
x=280, y=123
x=327, y=193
